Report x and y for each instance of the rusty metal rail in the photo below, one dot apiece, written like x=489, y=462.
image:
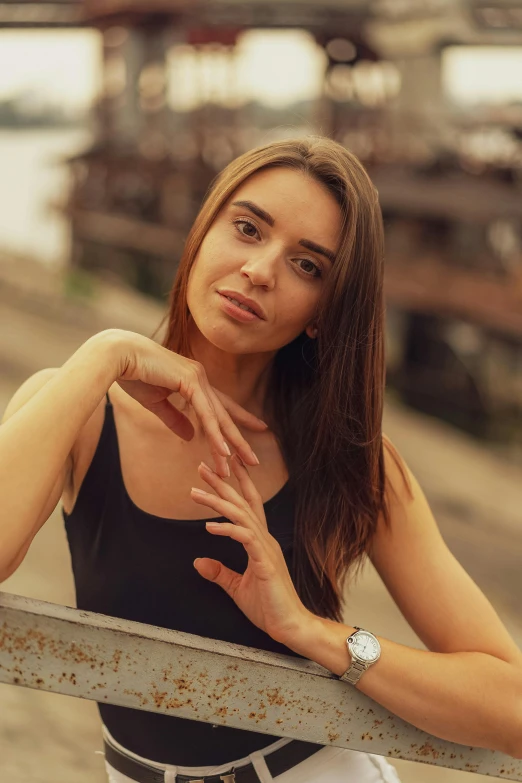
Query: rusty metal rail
x=63, y=650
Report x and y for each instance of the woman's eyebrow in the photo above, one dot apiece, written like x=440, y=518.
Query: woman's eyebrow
x=267, y=217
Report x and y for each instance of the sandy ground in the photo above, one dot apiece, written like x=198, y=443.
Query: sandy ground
x=476, y=495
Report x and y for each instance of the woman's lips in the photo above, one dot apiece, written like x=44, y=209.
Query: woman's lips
x=245, y=316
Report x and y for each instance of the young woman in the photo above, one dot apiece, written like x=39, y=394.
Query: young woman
x=276, y=314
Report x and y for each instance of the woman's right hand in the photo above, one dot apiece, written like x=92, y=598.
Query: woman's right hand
x=150, y=373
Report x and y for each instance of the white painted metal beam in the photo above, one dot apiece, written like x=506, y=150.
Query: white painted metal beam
x=63, y=650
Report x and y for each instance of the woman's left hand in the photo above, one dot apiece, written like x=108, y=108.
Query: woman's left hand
x=265, y=592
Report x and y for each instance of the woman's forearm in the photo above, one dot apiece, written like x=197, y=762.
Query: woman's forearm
x=466, y=697
x=35, y=442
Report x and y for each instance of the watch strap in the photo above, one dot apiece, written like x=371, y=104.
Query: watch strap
x=354, y=673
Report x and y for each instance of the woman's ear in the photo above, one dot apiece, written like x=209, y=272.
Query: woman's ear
x=311, y=331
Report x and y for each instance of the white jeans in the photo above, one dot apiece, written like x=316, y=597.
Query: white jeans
x=328, y=765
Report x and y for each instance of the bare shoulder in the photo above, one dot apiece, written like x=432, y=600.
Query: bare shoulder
x=406, y=506
x=82, y=454
x=398, y=478
x=88, y=438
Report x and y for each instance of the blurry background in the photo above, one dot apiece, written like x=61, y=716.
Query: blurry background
x=114, y=117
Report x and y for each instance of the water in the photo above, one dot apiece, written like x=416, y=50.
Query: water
x=32, y=175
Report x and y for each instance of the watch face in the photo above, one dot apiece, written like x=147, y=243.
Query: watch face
x=365, y=646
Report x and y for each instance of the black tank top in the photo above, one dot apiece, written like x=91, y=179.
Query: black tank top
x=131, y=564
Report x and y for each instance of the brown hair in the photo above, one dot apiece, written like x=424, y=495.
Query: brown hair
x=325, y=396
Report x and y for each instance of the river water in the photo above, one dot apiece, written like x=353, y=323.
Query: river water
x=32, y=175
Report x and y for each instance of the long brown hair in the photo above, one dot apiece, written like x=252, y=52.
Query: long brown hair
x=325, y=396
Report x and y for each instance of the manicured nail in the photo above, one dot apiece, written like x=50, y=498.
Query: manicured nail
x=207, y=466
x=198, y=491
x=212, y=524
x=227, y=470
x=254, y=455
x=227, y=449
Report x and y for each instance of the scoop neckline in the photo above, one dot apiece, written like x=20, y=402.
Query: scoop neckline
x=137, y=509
x=202, y=520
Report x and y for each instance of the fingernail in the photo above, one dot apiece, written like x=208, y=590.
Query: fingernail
x=227, y=449
x=227, y=470
x=198, y=491
x=254, y=455
x=212, y=524
x=206, y=466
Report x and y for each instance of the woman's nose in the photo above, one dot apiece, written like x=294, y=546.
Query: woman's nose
x=262, y=269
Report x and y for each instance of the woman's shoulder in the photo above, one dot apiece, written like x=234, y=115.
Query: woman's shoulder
x=397, y=475
x=88, y=439
x=83, y=452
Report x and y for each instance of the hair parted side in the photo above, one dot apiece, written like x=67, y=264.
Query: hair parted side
x=325, y=396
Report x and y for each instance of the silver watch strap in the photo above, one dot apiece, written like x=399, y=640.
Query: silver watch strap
x=354, y=673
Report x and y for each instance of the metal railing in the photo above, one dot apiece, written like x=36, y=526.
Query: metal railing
x=69, y=651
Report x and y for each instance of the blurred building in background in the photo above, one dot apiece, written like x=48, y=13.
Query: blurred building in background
x=172, y=113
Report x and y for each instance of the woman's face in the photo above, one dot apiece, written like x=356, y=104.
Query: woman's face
x=272, y=243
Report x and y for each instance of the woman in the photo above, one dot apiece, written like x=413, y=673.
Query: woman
x=277, y=314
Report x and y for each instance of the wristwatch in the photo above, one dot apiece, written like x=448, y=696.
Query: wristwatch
x=365, y=650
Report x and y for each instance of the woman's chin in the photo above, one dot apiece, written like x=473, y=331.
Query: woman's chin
x=227, y=338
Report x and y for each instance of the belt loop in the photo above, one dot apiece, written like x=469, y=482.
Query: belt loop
x=171, y=774
x=260, y=766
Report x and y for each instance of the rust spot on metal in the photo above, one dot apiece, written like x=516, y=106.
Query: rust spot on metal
x=174, y=704
x=428, y=750
x=158, y=697
x=182, y=684
x=274, y=697
x=116, y=658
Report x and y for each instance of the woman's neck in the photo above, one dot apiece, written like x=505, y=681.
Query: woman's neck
x=243, y=378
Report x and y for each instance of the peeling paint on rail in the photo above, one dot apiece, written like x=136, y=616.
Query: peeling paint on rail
x=56, y=648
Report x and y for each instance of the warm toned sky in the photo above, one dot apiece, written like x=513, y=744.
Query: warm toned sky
x=276, y=67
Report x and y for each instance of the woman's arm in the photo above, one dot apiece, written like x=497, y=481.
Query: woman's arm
x=44, y=418
x=40, y=426
x=468, y=687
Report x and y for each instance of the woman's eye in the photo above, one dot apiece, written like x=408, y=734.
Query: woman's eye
x=250, y=229
x=309, y=267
